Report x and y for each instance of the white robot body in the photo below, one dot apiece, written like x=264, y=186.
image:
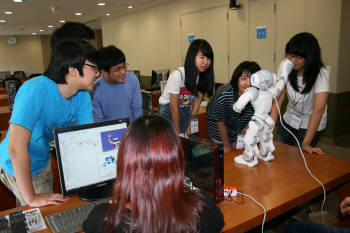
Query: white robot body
x=261, y=125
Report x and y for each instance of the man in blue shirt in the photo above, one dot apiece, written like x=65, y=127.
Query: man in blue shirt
x=116, y=93
x=59, y=98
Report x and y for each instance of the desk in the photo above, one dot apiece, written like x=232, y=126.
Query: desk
x=279, y=185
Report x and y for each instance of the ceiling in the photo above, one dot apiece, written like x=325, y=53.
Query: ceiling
x=32, y=15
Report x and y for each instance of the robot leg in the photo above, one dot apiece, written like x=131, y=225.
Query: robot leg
x=266, y=145
x=251, y=152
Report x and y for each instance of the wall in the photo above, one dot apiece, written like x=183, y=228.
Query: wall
x=340, y=101
x=25, y=55
x=156, y=38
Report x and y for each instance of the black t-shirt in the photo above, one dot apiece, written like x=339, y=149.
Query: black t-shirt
x=211, y=222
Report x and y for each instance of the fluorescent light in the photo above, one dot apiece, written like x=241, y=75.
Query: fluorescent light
x=33, y=33
x=50, y=26
x=62, y=21
x=8, y=12
x=130, y=6
x=108, y=14
x=101, y=4
x=18, y=0
x=2, y=21
x=41, y=30
x=78, y=13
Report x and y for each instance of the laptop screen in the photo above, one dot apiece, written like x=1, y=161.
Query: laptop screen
x=87, y=154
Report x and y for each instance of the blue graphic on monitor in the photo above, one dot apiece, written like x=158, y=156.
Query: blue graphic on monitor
x=109, y=160
x=111, y=139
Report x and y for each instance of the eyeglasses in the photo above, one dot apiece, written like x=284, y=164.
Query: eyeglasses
x=119, y=68
x=92, y=66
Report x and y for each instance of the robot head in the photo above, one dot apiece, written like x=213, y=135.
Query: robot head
x=263, y=79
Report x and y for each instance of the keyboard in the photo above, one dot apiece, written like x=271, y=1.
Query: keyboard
x=71, y=220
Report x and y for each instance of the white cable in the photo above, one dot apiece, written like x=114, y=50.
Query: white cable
x=302, y=154
x=252, y=198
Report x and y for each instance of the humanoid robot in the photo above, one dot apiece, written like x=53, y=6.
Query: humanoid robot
x=264, y=89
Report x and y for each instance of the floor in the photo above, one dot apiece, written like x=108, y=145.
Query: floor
x=310, y=211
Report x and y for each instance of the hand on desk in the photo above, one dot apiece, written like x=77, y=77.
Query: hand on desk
x=345, y=206
x=46, y=199
x=310, y=149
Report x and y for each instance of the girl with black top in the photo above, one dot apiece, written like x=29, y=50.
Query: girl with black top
x=148, y=194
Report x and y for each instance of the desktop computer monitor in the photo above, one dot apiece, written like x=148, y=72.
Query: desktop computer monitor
x=157, y=76
x=135, y=72
x=87, y=157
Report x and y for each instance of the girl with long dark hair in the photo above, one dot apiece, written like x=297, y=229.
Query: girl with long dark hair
x=187, y=86
x=307, y=91
x=148, y=194
x=223, y=124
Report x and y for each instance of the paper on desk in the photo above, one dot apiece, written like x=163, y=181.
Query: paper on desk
x=35, y=220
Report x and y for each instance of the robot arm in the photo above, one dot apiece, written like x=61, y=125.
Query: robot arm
x=284, y=70
x=250, y=94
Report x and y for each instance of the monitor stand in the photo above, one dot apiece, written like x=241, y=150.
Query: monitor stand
x=96, y=194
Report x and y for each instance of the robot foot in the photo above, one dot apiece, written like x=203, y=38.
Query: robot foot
x=267, y=157
x=239, y=159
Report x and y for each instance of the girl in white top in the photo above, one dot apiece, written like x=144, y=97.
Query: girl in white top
x=187, y=85
x=307, y=91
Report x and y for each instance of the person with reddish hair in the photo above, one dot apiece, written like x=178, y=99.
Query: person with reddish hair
x=149, y=194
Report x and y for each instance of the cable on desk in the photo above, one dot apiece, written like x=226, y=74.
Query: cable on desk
x=258, y=203
x=302, y=154
x=229, y=198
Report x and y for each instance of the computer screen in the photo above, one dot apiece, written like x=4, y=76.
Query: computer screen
x=87, y=157
x=135, y=72
x=147, y=103
x=157, y=76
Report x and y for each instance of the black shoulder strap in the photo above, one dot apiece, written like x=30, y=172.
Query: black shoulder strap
x=180, y=73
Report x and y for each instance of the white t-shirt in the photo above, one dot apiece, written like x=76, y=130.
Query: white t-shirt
x=303, y=104
x=175, y=82
x=176, y=85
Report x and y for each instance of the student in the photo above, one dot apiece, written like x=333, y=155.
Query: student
x=307, y=90
x=148, y=194
x=187, y=85
x=223, y=124
x=311, y=227
x=72, y=30
x=59, y=98
x=116, y=93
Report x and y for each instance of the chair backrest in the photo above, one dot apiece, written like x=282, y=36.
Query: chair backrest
x=19, y=74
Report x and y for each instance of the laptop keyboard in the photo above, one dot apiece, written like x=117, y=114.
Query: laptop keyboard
x=71, y=220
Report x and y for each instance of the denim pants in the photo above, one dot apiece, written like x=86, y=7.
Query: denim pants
x=310, y=227
x=284, y=136
x=185, y=115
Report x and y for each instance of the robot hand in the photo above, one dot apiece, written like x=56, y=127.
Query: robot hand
x=236, y=108
x=284, y=70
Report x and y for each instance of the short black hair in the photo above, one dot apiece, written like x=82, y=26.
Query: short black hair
x=246, y=66
x=305, y=44
x=72, y=30
x=69, y=53
x=108, y=57
x=206, y=79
